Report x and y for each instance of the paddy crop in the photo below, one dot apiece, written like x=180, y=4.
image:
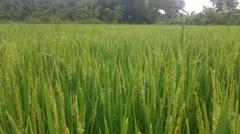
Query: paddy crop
x=119, y=79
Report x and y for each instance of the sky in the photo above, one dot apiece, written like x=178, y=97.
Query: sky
x=196, y=5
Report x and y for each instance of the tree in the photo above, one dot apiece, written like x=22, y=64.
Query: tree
x=130, y=11
x=219, y=4
x=89, y=9
x=134, y=11
x=139, y=11
x=111, y=10
x=171, y=7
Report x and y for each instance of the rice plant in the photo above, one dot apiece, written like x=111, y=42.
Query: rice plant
x=119, y=79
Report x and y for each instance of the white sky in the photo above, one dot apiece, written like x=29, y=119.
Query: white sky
x=196, y=5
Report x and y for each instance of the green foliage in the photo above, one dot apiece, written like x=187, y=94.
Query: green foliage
x=110, y=11
x=213, y=16
x=89, y=9
x=219, y=4
x=61, y=79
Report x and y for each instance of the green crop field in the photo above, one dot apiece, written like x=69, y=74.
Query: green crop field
x=119, y=79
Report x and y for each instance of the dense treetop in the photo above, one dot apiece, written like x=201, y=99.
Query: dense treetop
x=115, y=11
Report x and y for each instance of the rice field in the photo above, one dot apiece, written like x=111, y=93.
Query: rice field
x=119, y=79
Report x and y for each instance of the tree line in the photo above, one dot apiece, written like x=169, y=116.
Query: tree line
x=116, y=11
x=222, y=12
x=111, y=11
